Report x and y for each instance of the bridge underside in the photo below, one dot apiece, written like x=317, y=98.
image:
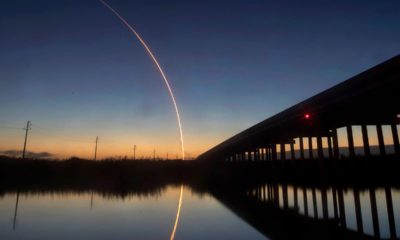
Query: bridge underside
x=369, y=98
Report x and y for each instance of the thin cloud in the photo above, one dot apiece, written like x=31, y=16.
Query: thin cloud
x=18, y=153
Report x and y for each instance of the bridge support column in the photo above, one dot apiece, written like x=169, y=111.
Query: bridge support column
x=364, y=132
x=350, y=140
x=330, y=152
x=283, y=152
x=301, y=148
x=262, y=155
x=295, y=197
x=293, y=157
x=395, y=139
x=320, y=148
x=310, y=148
x=380, y=140
x=273, y=151
x=335, y=144
x=256, y=154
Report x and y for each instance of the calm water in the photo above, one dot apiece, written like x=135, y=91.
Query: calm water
x=264, y=211
x=87, y=215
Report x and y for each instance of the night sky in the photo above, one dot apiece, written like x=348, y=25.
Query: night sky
x=75, y=71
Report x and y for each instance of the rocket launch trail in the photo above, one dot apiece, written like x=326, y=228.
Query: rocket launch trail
x=159, y=69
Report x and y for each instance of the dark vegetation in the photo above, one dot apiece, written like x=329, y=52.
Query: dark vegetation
x=79, y=174
x=148, y=175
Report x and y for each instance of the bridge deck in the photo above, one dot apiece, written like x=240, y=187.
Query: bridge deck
x=369, y=98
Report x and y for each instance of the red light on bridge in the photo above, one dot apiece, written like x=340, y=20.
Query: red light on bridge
x=307, y=116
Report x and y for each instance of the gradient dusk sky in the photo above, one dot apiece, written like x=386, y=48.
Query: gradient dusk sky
x=76, y=72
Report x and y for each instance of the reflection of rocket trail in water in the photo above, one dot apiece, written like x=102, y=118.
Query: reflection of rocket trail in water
x=159, y=69
x=178, y=212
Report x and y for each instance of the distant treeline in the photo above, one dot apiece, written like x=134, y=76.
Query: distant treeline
x=87, y=174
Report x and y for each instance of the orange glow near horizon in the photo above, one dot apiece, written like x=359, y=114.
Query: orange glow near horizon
x=114, y=144
x=118, y=144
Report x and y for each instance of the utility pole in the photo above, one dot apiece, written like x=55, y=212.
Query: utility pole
x=167, y=155
x=28, y=127
x=134, y=152
x=154, y=154
x=95, y=149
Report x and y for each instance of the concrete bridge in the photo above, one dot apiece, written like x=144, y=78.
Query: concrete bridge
x=370, y=98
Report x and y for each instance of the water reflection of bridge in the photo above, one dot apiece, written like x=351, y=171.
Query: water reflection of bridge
x=297, y=212
x=367, y=99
